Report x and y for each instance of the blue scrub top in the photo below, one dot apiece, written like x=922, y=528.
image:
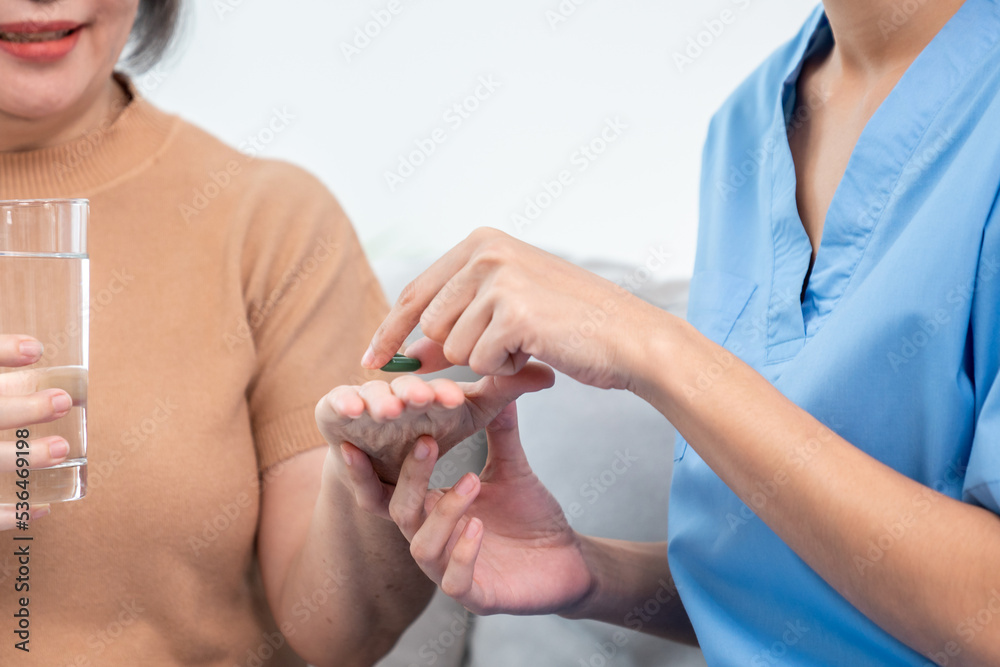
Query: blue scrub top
x=894, y=345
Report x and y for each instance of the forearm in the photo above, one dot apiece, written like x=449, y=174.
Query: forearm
x=829, y=501
x=632, y=588
x=353, y=587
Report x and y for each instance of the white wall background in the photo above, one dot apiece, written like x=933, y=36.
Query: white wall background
x=562, y=75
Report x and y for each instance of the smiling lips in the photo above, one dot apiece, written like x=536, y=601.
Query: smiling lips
x=39, y=42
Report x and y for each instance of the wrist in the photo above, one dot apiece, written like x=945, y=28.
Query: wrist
x=335, y=468
x=338, y=490
x=627, y=579
x=656, y=356
x=596, y=559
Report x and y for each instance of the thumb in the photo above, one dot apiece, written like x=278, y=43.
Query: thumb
x=492, y=393
x=503, y=441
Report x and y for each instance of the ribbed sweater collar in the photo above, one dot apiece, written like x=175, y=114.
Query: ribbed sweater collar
x=93, y=162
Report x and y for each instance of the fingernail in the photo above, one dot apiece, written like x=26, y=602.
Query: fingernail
x=58, y=449
x=465, y=485
x=39, y=512
x=369, y=357
x=473, y=528
x=61, y=403
x=30, y=349
x=421, y=451
x=345, y=454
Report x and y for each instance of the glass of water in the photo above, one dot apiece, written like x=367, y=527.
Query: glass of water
x=45, y=294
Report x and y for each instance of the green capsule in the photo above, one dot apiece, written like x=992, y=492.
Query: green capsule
x=402, y=364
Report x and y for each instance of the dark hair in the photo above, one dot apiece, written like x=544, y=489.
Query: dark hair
x=153, y=31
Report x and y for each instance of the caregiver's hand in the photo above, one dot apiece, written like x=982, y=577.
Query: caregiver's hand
x=21, y=406
x=384, y=420
x=498, y=543
x=493, y=301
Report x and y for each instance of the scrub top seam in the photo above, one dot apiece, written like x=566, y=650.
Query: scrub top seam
x=895, y=184
x=980, y=485
x=774, y=260
x=991, y=218
x=771, y=310
x=804, y=52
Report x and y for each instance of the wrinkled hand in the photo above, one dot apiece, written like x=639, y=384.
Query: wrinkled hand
x=493, y=302
x=498, y=543
x=22, y=404
x=384, y=420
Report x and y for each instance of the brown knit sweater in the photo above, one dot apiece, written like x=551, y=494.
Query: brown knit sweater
x=228, y=295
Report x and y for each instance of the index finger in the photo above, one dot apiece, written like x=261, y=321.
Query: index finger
x=405, y=315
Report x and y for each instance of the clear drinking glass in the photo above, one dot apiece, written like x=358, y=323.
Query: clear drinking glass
x=45, y=294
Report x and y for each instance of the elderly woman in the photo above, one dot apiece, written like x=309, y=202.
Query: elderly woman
x=215, y=530
x=837, y=484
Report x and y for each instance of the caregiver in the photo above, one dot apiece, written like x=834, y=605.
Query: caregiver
x=835, y=491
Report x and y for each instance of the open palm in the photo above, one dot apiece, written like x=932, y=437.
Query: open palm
x=523, y=559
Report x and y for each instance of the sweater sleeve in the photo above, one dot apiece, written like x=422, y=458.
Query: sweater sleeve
x=312, y=305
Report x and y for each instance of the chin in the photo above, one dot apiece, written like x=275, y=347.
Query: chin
x=37, y=93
